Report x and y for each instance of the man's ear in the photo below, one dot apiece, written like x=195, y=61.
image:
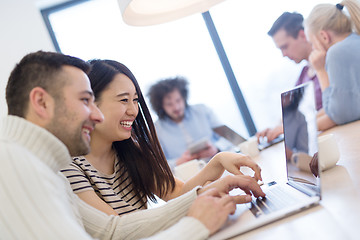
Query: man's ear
x=41, y=104
x=301, y=34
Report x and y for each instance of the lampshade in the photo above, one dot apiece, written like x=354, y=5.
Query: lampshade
x=151, y=12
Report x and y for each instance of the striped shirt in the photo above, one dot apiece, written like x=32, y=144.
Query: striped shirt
x=116, y=189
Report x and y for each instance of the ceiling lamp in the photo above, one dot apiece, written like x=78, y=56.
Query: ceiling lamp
x=151, y=12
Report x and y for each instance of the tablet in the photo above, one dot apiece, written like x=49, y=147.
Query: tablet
x=198, y=146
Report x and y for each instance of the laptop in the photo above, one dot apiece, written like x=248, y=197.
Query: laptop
x=235, y=138
x=301, y=189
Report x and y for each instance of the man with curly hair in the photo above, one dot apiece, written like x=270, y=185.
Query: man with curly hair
x=180, y=124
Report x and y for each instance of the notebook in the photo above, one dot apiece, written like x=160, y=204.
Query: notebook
x=235, y=138
x=301, y=189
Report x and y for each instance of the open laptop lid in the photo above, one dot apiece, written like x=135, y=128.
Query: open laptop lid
x=229, y=134
x=300, y=137
x=235, y=138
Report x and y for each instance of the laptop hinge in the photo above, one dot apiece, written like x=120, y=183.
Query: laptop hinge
x=304, y=188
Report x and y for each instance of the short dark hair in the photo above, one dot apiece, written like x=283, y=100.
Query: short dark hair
x=292, y=23
x=158, y=91
x=38, y=69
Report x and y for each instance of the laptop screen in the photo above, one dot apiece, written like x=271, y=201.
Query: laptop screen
x=300, y=135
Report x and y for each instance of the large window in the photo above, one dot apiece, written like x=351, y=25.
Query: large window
x=94, y=29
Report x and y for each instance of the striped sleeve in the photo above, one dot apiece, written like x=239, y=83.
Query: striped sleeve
x=75, y=174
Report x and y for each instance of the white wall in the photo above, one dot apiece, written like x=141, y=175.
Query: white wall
x=22, y=31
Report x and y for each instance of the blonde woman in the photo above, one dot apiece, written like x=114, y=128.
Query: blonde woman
x=334, y=32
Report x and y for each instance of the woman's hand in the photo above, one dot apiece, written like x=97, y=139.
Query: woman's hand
x=231, y=162
x=318, y=55
x=317, y=59
x=214, y=170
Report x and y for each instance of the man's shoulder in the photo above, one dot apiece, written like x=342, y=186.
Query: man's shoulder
x=198, y=108
x=163, y=125
x=11, y=151
x=159, y=122
x=21, y=158
x=18, y=161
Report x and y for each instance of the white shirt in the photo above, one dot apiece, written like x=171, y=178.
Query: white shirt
x=37, y=201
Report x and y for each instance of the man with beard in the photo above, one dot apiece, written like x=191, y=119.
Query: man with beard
x=181, y=125
x=51, y=113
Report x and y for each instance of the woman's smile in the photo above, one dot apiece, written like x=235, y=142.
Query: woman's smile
x=126, y=124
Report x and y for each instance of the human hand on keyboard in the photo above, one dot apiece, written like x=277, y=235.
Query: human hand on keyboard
x=248, y=184
x=230, y=162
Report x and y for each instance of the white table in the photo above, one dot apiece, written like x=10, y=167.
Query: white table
x=338, y=215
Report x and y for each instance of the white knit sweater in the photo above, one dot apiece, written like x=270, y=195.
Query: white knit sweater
x=36, y=201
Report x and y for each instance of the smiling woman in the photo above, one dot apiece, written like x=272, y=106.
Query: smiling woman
x=119, y=104
x=126, y=164
x=125, y=154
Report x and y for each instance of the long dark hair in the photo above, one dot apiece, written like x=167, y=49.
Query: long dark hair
x=142, y=153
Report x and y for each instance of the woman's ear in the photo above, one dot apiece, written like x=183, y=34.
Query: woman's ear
x=41, y=104
x=325, y=38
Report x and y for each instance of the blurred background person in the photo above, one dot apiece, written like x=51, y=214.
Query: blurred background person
x=289, y=36
x=179, y=124
x=296, y=139
x=336, y=57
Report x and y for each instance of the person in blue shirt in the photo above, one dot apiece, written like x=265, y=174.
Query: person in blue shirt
x=179, y=124
x=336, y=57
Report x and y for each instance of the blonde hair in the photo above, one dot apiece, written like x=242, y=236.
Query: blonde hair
x=330, y=17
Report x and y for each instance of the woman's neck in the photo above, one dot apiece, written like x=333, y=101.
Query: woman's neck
x=339, y=37
x=101, y=156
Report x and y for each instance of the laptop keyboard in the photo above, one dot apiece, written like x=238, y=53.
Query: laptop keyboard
x=276, y=198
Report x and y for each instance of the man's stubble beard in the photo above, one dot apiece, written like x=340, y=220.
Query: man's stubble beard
x=71, y=136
